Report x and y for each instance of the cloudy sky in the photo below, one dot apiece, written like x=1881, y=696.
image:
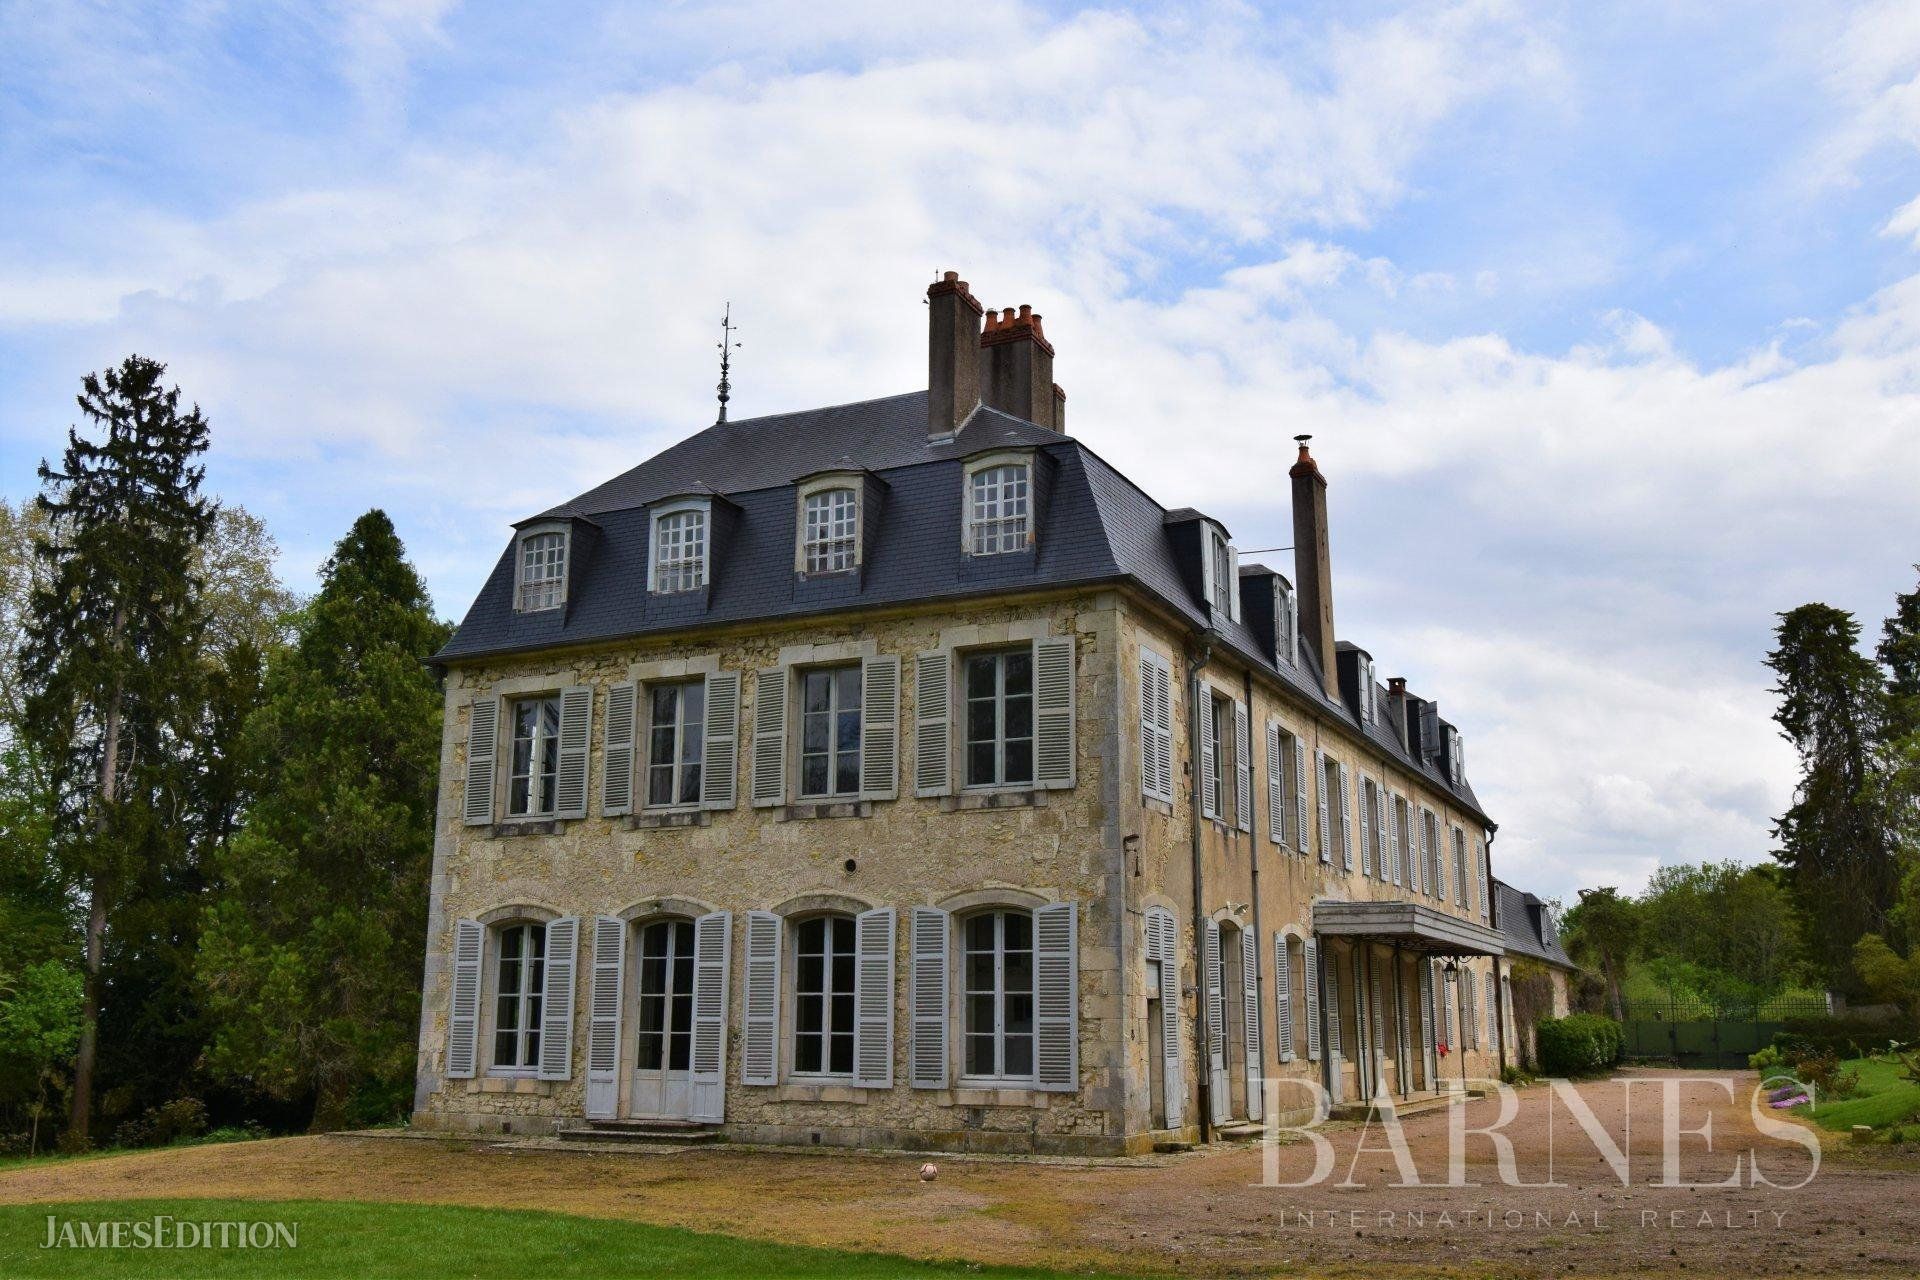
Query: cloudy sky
x=1606, y=319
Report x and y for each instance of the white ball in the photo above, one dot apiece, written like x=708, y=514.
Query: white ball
x=929, y=1171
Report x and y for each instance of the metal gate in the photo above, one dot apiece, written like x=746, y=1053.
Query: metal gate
x=1699, y=1033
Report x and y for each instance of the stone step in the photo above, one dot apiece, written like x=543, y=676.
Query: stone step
x=1238, y=1131
x=1403, y=1108
x=640, y=1132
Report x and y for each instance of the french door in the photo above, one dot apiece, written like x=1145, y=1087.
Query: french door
x=663, y=1057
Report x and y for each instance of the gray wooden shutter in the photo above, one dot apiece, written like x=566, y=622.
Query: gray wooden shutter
x=1392, y=805
x=873, y=997
x=720, y=743
x=1282, y=999
x=1242, y=769
x=1366, y=829
x=576, y=737
x=1414, y=870
x=927, y=1050
x=1161, y=926
x=1427, y=868
x=1362, y=1047
x=463, y=1006
x=1310, y=983
x=1320, y=788
x=1299, y=753
x=1156, y=727
x=1233, y=583
x=616, y=758
x=712, y=951
x=1379, y=1023
x=770, y=737
x=1209, y=775
x=556, y=999
x=1429, y=1061
x=1449, y=993
x=1331, y=963
x=608, y=983
x=1056, y=997
x=1276, y=800
x=1216, y=1024
x=760, y=1041
x=932, y=702
x=1053, y=755
x=1346, y=822
x=1403, y=1046
x=1250, y=1013
x=1486, y=894
x=483, y=737
x=880, y=729
x=1439, y=885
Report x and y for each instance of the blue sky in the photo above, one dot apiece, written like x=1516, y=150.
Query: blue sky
x=1606, y=318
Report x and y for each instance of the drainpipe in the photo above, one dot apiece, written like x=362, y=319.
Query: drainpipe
x=1202, y=1031
x=1499, y=987
x=1253, y=879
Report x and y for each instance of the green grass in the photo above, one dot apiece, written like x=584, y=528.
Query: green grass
x=421, y=1242
x=1886, y=1097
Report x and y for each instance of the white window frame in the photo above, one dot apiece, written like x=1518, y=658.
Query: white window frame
x=1017, y=529
x=831, y=549
x=1286, y=622
x=702, y=563
x=1363, y=671
x=528, y=1000
x=999, y=1077
x=1000, y=654
x=1220, y=571
x=799, y=713
x=792, y=961
x=540, y=798
x=680, y=726
x=1456, y=756
x=1329, y=782
x=1225, y=799
x=523, y=601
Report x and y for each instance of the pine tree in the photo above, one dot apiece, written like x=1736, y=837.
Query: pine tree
x=1835, y=841
x=310, y=951
x=110, y=657
x=1899, y=652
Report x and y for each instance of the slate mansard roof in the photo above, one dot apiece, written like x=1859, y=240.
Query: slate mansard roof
x=1529, y=931
x=1094, y=526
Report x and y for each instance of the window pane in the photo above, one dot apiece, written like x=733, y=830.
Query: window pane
x=843, y=1055
x=980, y=721
x=817, y=690
x=980, y=1015
x=980, y=1055
x=980, y=764
x=1019, y=762
x=1019, y=930
x=1019, y=717
x=980, y=676
x=846, y=778
x=1019, y=1055
x=1019, y=672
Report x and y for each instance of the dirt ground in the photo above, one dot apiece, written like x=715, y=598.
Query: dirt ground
x=1205, y=1212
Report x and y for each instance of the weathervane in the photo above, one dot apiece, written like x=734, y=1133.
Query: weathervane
x=727, y=348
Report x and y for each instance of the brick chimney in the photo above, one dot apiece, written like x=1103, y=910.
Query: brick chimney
x=953, y=355
x=1016, y=369
x=1313, y=564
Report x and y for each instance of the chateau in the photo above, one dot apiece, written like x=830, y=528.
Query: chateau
x=901, y=774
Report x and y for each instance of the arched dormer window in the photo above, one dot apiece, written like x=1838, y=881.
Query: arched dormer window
x=829, y=525
x=1286, y=622
x=678, y=559
x=540, y=568
x=1220, y=565
x=999, y=504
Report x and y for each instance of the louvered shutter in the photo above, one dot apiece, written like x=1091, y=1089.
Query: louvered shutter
x=556, y=999
x=873, y=998
x=1161, y=926
x=463, y=1006
x=1320, y=788
x=1346, y=822
x=1366, y=828
x=760, y=1042
x=1331, y=963
x=1393, y=835
x=770, y=737
x=576, y=737
x=1299, y=752
x=483, y=737
x=1056, y=997
x=1362, y=1031
x=1310, y=984
x=1486, y=897
x=1156, y=729
x=1473, y=1008
x=1053, y=752
x=1430, y=1062
x=616, y=758
x=1439, y=863
x=932, y=700
x=1242, y=769
x=1276, y=801
x=1459, y=867
x=1209, y=775
x=1449, y=993
x=1426, y=855
x=1233, y=584
x=1250, y=1011
x=1282, y=999
x=1163, y=715
x=880, y=728
x=1216, y=1024
x=720, y=749
x=608, y=982
x=1379, y=1024
x=712, y=950
x=928, y=1049
x=1403, y=1046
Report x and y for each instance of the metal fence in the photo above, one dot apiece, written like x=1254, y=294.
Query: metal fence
x=1701, y=1033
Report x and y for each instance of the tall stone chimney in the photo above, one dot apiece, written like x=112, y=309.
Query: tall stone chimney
x=1016, y=371
x=953, y=354
x=1313, y=564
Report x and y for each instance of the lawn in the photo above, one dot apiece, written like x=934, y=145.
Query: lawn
x=1886, y=1097
x=346, y=1238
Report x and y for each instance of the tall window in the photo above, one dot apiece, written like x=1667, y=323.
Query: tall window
x=830, y=732
x=823, y=996
x=519, y=979
x=1430, y=846
x=1224, y=585
x=999, y=995
x=1219, y=747
x=1286, y=621
x=536, y=756
x=680, y=551
x=1000, y=501
x=676, y=727
x=1000, y=718
x=1459, y=867
x=1456, y=756
x=830, y=522
x=1364, y=672
x=543, y=567
x=1336, y=806
x=666, y=996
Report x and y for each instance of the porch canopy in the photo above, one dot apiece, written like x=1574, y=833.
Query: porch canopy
x=1412, y=925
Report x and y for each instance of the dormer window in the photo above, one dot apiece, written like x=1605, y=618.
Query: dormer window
x=1222, y=564
x=1365, y=680
x=679, y=549
x=543, y=571
x=1456, y=756
x=1286, y=623
x=829, y=529
x=999, y=508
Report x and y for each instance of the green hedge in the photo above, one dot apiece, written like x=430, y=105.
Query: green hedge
x=1578, y=1044
x=1842, y=1037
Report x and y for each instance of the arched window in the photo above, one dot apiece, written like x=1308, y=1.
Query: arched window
x=999, y=503
x=519, y=978
x=997, y=989
x=680, y=550
x=543, y=571
x=823, y=986
x=830, y=531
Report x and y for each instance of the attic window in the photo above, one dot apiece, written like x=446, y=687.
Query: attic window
x=1456, y=756
x=999, y=505
x=679, y=549
x=1286, y=623
x=1365, y=680
x=543, y=571
x=1222, y=564
x=830, y=522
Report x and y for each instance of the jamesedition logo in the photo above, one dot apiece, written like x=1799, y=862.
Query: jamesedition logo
x=1747, y=1167
x=163, y=1231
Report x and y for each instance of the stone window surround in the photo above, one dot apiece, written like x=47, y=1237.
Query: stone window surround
x=958, y=642
x=674, y=507
x=822, y=483
x=984, y=462
x=648, y=817
x=534, y=824
x=562, y=527
x=983, y=1091
x=494, y=921
x=1213, y=688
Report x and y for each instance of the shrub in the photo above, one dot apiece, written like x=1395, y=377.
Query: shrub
x=1768, y=1060
x=168, y=1122
x=1513, y=1075
x=1822, y=1071
x=1578, y=1044
x=1846, y=1037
